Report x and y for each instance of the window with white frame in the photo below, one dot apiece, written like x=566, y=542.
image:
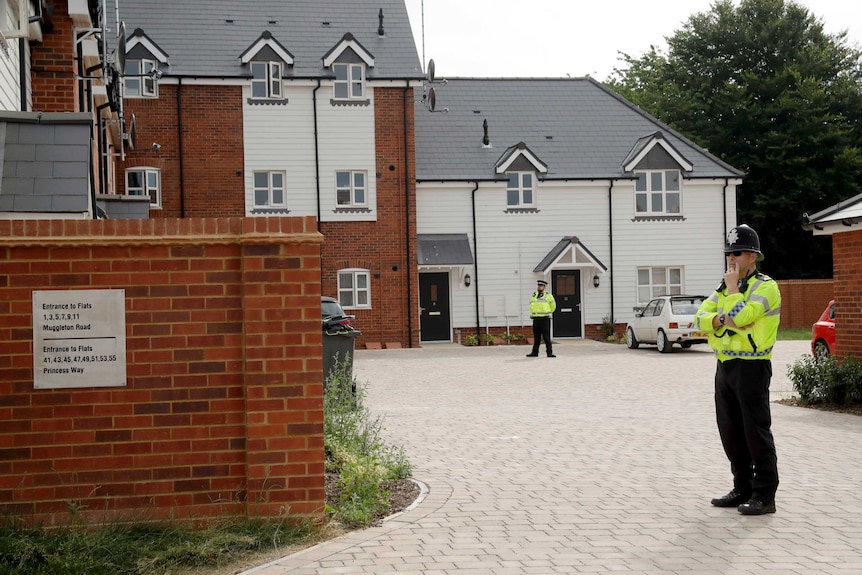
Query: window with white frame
x=653, y=282
x=349, y=81
x=140, y=79
x=521, y=190
x=145, y=182
x=657, y=192
x=266, y=78
x=350, y=188
x=353, y=288
x=269, y=190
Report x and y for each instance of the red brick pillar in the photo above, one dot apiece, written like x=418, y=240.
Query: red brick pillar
x=283, y=368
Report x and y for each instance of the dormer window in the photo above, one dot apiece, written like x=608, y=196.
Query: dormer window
x=349, y=81
x=266, y=80
x=140, y=79
x=657, y=192
x=521, y=190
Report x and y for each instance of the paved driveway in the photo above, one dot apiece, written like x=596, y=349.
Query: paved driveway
x=602, y=460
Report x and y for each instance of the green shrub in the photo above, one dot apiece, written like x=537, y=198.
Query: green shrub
x=608, y=328
x=825, y=380
x=471, y=340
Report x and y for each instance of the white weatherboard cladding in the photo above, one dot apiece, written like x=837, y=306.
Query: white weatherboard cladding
x=694, y=243
x=346, y=143
x=10, y=86
x=281, y=137
x=510, y=245
x=445, y=209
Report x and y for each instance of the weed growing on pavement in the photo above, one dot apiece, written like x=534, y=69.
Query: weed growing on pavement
x=356, y=450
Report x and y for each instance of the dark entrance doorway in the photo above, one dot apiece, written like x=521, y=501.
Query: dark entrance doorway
x=567, y=293
x=434, y=307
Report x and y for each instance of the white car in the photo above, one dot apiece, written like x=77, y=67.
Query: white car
x=666, y=320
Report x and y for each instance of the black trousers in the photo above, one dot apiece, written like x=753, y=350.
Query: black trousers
x=744, y=424
x=542, y=329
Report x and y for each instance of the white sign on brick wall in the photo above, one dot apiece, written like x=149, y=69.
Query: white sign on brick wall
x=79, y=338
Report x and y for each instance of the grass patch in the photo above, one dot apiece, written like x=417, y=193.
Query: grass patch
x=140, y=548
x=794, y=333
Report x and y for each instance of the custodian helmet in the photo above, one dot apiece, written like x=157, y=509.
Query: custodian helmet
x=742, y=238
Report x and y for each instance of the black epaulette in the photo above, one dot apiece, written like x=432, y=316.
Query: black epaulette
x=763, y=277
x=721, y=286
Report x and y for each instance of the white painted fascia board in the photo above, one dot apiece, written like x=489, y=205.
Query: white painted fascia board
x=685, y=165
x=528, y=155
x=249, y=54
x=343, y=45
x=157, y=53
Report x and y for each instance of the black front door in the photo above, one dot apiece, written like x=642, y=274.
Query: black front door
x=567, y=293
x=434, y=307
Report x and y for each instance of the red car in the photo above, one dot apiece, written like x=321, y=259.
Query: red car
x=823, y=333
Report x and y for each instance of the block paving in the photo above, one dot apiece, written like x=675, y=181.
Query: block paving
x=602, y=460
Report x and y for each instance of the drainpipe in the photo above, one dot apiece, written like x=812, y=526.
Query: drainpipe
x=611, y=246
x=475, y=258
x=407, y=232
x=316, y=154
x=181, y=150
x=22, y=72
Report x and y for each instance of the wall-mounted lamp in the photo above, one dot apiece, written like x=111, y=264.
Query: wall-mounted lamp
x=467, y=280
x=595, y=281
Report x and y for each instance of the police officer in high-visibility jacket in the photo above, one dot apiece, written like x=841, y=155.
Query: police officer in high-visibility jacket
x=542, y=306
x=742, y=317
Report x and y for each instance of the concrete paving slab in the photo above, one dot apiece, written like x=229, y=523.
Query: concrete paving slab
x=602, y=460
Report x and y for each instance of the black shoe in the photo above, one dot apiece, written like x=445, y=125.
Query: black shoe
x=532, y=355
x=732, y=499
x=551, y=355
x=756, y=506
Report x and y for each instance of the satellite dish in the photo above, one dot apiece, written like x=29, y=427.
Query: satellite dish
x=432, y=99
x=430, y=74
x=120, y=59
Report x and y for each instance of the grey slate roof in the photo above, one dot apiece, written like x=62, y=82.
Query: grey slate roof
x=576, y=126
x=200, y=41
x=443, y=249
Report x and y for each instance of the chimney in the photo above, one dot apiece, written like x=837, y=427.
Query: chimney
x=380, y=31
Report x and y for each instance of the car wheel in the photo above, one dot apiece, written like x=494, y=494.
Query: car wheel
x=821, y=349
x=663, y=344
x=631, y=341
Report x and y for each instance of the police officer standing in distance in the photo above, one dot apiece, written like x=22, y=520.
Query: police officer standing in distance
x=542, y=306
x=742, y=318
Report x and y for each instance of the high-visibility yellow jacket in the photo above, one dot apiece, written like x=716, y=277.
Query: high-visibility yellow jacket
x=756, y=309
x=542, y=304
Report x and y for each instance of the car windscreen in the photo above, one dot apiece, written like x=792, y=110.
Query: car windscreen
x=685, y=306
x=330, y=308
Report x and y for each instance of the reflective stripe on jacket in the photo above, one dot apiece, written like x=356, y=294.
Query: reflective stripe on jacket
x=757, y=310
x=542, y=306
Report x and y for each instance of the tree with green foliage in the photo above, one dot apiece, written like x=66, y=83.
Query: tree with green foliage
x=764, y=88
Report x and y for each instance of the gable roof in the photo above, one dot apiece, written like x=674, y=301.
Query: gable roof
x=579, y=129
x=205, y=38
x=842, y=217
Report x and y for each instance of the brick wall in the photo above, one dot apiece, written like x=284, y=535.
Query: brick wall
x=387, y=247
x=802, y=301
x=209, y=155
x=847, y=271
x=54, y=67
x=222, y=411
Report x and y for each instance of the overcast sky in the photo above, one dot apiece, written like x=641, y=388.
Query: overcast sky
x=556, y=38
